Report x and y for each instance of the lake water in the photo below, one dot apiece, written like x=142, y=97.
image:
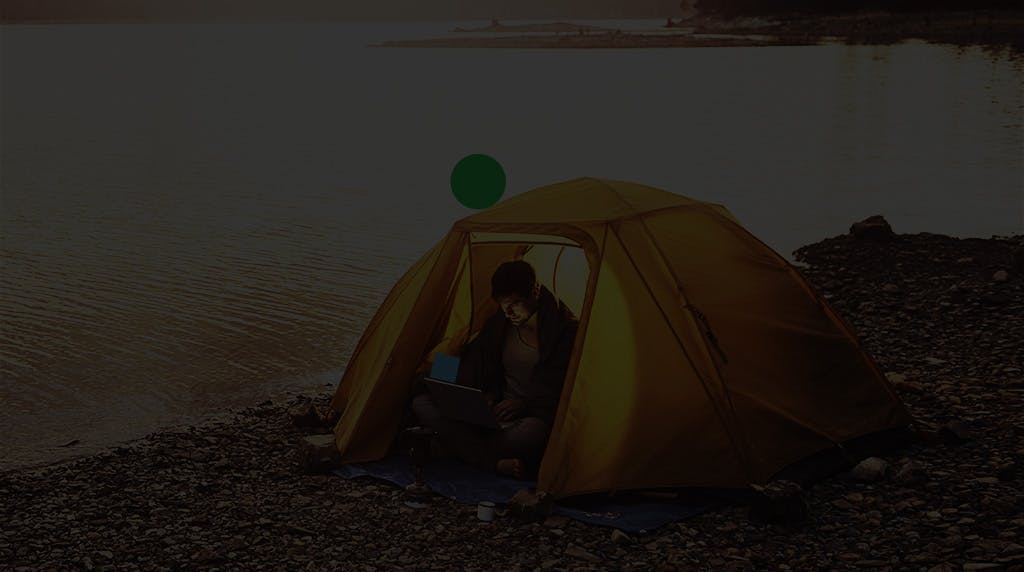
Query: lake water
x=198, y=217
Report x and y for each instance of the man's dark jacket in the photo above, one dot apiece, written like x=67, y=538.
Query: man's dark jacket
x=481, y=365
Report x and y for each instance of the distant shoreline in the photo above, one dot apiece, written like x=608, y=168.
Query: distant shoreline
x=989, y=28
x=613, y=40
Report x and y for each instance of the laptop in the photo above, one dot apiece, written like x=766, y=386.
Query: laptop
x=455, y=401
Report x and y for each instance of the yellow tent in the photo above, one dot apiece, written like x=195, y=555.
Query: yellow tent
x=703, y=358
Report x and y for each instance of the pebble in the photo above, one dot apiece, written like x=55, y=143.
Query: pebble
x=870, y=469
x=577, y=552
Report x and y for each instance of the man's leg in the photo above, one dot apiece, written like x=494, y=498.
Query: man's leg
x=470, y=444
x=524, y=441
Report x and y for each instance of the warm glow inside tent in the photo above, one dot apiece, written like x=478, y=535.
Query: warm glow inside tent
x=703, y=358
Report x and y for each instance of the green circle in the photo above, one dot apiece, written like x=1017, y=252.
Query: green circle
x=478, y=181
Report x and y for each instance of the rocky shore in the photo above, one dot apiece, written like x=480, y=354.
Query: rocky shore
x=944, y=316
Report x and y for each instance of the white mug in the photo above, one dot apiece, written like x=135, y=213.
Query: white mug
x=485, y=511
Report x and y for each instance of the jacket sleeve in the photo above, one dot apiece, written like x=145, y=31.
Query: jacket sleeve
x=551, y=374
x=481, y=366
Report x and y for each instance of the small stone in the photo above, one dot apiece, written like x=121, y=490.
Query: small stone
x=1008, y=471
x=894, y=377
x=577, y=552
x=1013, y=548
x=528, y=505
x=872, y=228
x=870, y=469
x=981, y=566
x=1001, y=276
x=303, y=414
x=556, y=521
x=955, y=432
x=619, y=537
x=964, y=260
x=909, y=387
x=317, y=453
x=106, y=554
x=934, y=361
x=207, y=556
x=779, y=501
x=910, y=473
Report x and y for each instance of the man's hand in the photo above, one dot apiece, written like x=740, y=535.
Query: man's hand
x=509, y=409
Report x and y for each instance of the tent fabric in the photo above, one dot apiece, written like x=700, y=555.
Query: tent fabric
x=703, y=358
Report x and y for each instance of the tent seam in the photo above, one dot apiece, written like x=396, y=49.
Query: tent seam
x=732, y=427
x=834, y=316
x=581, y=334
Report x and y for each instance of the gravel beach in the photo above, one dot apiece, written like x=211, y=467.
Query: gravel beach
x=944, y=316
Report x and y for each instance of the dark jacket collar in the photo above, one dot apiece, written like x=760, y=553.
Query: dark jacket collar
x=552, y=316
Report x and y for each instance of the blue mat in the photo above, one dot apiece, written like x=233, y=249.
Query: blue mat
x=468, y=485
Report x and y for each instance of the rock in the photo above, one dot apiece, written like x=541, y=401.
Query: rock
x=870, y=469
x=891, y=289
x=528, y=505
x=905, y=386
x=207, y=556
x=934, y=361
x=944, y=567
x=958, y=293
x=872, y=228
x=955, y=432
x=1013, y=548
x=317, y=454
x=619, y=537
x=780, y=502
x=895, y=378
x=996, y=299
x=981, y=566
x=1001, y=276
x=304, y=415
x=556, y=521
x=577, y=552
x=910, y=473
x=1007, y=471
x=1017, y=261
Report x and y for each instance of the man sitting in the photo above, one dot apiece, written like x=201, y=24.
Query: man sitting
x=519, y=362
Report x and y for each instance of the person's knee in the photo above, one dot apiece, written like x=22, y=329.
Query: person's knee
x=533, y=427
x=528, y=436
x=425, y=410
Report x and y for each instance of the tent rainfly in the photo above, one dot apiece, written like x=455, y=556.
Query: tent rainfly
x=702, y=359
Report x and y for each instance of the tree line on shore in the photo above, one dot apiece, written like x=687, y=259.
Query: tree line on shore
x=764, y=7
x=106, y=10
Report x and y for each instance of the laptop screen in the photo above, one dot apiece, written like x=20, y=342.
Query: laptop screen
x=445, y=367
